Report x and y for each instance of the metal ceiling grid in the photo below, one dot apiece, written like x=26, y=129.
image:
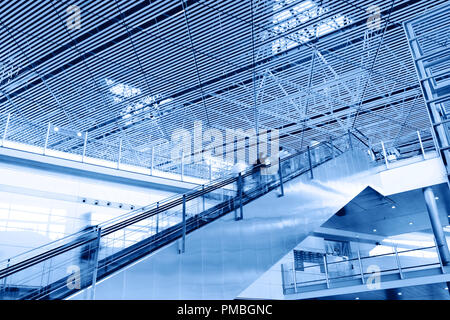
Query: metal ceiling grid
x=137, y=71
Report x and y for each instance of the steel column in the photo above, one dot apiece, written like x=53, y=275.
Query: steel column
x=436, y=225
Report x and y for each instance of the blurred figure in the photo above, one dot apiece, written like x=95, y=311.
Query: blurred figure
x=88, y=251
x=257, y=167
x=285, y=165
x=239, y=168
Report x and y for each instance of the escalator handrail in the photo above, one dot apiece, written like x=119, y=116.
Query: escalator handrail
x=108, y=229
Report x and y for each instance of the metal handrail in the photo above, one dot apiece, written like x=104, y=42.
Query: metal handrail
x=374, y=256
x=362, y=273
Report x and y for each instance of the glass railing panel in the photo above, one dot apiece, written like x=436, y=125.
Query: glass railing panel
x=417, y=259
x=342, y=268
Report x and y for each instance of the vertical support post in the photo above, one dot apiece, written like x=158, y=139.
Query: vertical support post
x=183, y=244
x=94, y=273
x=283, y=283
x=385, y=155
x=421, y=144
x=295, y=276
x=240, y=187
x=4, y=279
x=280, y=172
x=203, y=198
x=310, y=163
x=6, y=129
x=350, y=140
x=182, y=165
x=361, y=270
x=325, y=265
x=157, y=217
x=84, y=146
x=236, y=218
x=46, y=137
x=49, y=271
x=120, y=153
x=210, y=172
x=436, y=225
x=332, y=148
x=153, y=160
x=398, y=262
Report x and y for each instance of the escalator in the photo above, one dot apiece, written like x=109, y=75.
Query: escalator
x=68, y=265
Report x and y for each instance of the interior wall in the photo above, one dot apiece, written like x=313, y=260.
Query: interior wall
x=38, y=206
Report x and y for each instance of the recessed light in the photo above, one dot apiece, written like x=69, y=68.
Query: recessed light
x=357, y=298
x=410, y=223
x=56, y=129
x=399, y=293
x=436, y=198
x=79, y=134
x=393, y=207
x=374, y=230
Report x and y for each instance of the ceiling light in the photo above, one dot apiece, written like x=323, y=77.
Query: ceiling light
x=410, y=223
x=393, y=207
x=56, y=129
x=436, y=198
x=399, y=293
x=374, y=230
x=79, y=134
x=357, y=298
x=446, y=288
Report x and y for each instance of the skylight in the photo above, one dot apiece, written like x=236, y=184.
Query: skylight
x=134, y=111
x=123, y=90
x=293, y=17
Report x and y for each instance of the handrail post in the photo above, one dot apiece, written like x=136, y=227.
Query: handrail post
x=398, y=262
x=182, y=165
x=361, y=270
x=6, y=129
x=153, y=160
x=183, y=243
x=280, y=172
x=203, y=198
x=421, y=144
x=4, y=279
x=157, y=217
x=84, y=146
x=310, y=162
x=325, y=264
x=384, y=154
x=332, y=148
x=46, y=138
x=350, y=140
x=210, y=172
x=240, y=183
x=120, y=153
x=295, y=276
x=95, y=271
